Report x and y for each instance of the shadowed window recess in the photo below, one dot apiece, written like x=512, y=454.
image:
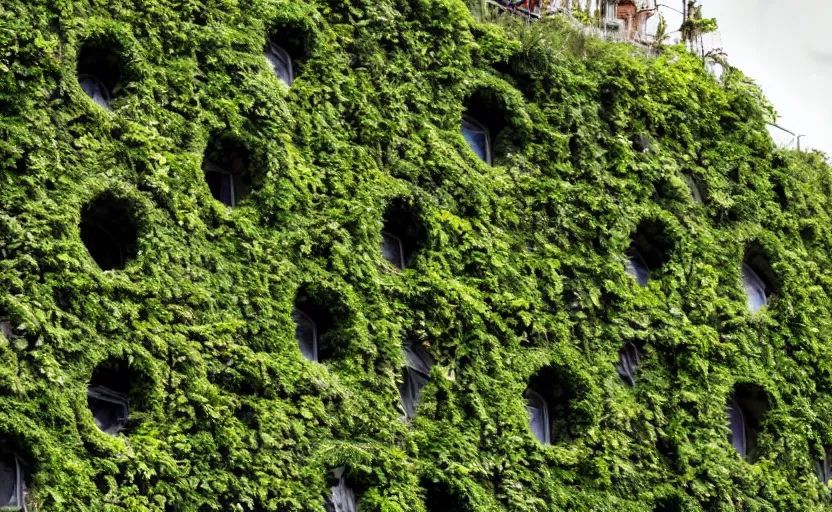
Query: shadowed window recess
x=12, y=484
x=696, y=192
x=107, y=396
x=538, y=416
x=824, y=466
x=108, y=230
x=758, y=278
x=280, y=62
x=477, y=137
x=415, y=376
x=402, y=234
x=745, y=412
x=99, y=72
x=649, y=249
x=629, y=359
x=342, y=497
x=306, y=334
x=228, y=170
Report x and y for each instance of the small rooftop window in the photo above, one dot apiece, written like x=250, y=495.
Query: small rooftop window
x=402, y=234
x=99, y=72
x=12, y=483
x=746, y=409
x=342, y=497
x=108, y=230
x=649, y=249
x=629, y=359
x=758, y=279
x=227, y=170
x=107, y=396
x=415, y=376
x=280, y=62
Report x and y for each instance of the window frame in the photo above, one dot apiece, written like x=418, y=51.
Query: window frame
x=345, y=490
x=530, y=395
x=106, y=97
x=627, y=371
x=418, y=363
x=19, y=491
x=214, y=168
x=635, y=257
x=824, y=466
x=480, y=126
x=306, y=316
x=283, y=56
x=735, y=406
x=402, y=264
x=749, y=274
x=105, y=394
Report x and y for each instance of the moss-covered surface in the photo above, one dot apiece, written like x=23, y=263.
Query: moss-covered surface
x=521, y=265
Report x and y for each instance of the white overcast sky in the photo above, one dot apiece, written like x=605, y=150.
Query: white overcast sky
x=784, y=46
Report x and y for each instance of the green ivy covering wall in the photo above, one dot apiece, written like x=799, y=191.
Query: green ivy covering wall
x=521, y=266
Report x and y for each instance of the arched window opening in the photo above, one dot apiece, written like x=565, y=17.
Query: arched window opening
x=649, y=249
x=317, y=315
x=824, y=466
x=306, y=334
x=745, y=410
x=109, y=232
x=12, y=483
x=99, y=72
x=415, y=376
x=629, y=359
x=538, y=416
x=758, y=278
x=482, y=122
x=477, y=137
x=342, y=497
x=549, y=398
x=440, y=498
x=107, y=396
x=227, y=170
x=281, y=63
x=402, y=234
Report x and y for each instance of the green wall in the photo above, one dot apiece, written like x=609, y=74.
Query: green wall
x=521, y=266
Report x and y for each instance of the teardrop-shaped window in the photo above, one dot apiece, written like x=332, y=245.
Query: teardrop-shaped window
x=281, y=63
x=306, y=334
x=755, y=289
x=736, y=423
x=392, y=249
x=477, y=137
x=538, y=416
x=637, y=268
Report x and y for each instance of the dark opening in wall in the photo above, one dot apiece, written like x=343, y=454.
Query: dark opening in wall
x=108, y=230
x=402, y=235
x=758, y=278
x=649, y=249
x=671, y=504
x=824, y=466
x=482, y=122
x=549, y=398
x=318, y=315
x=629, y=359
x=13, y=492
x=287, y=50
x=228, y=170
x=341, y=493
x=99, y=71
x=698, y=190
x=108, y=395
x=440, y=498
x=415, y=376
x=747, y=408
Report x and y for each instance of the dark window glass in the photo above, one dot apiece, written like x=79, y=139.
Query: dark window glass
x=12, y=486
x=416, y=376
x=281, y=63
x=637, y=268
x=476, y=135
x=220, y=183
x=95, y=90
x=736, y=422
x=109, y=409
x=629, y=358
x=392, y=249
x=306, y=334
x=538, y=416
x=824, y=469
x=342, y=498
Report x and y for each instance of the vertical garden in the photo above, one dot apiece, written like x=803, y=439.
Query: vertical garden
x=249, y=260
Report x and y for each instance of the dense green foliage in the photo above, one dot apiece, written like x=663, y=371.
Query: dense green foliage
x=522, y=264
